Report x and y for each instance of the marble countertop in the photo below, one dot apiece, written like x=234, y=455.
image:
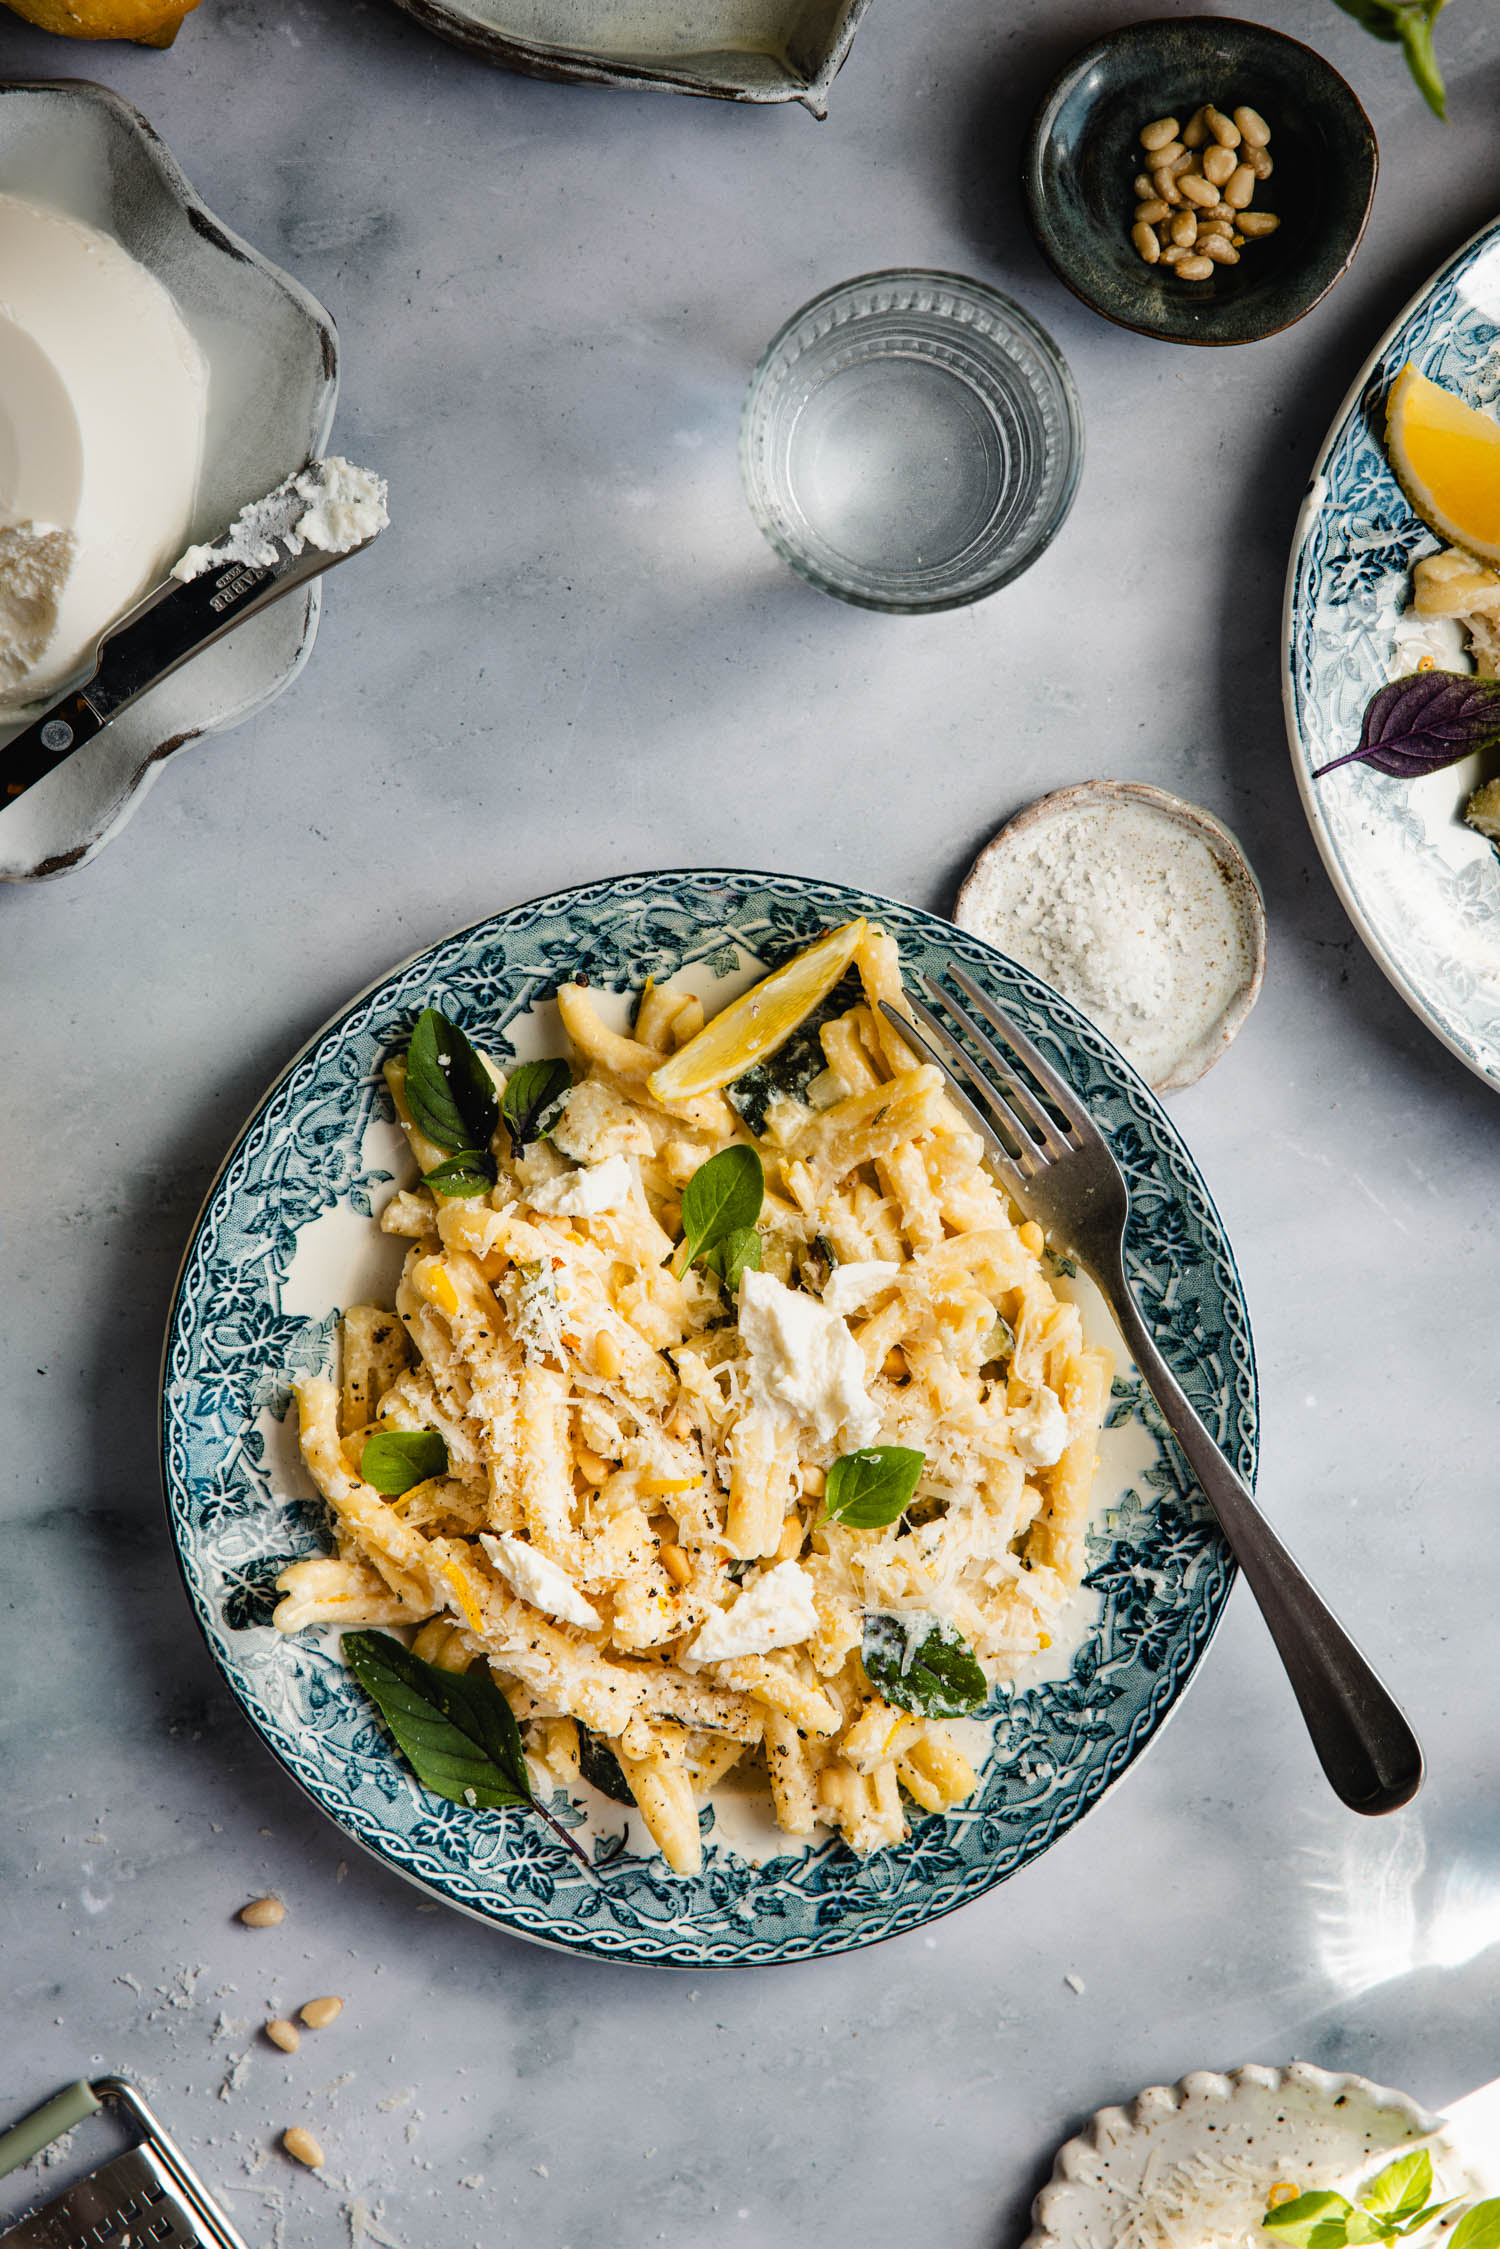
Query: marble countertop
x=576, y=655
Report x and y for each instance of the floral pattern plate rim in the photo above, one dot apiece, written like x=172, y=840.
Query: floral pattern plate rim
x=1159, y=1572
x=1422, y=890
x=1199, y=2158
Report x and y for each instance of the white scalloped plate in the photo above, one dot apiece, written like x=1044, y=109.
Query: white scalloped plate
x=1191, y=2165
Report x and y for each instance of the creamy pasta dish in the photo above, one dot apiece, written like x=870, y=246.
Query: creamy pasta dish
x=741, y=1425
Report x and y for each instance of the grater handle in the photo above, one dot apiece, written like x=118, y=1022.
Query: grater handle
x=46, y=2124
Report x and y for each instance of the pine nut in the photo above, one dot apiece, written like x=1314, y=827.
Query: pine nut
x=319, y=2013
x=1196, y=190
x=1214, y=226
x=1240, y=188
x=302, y=2147
x=1147, y=214
x=1224, y=129
x=813, y=1482
x=1144, y=187
x=1145, y=241
x=590, y=1467
x=1195, y=132
x=1157, y=135
x=676, y=1564
x=262, y=1913
x=608, y=1357
x=1257, y=223
x=1218, y=164
x=1166, y=186
x=1258, y=160
x=1173, y=255
x=1193, y=268
x=1163, y=159
x=1185, y=230
x=283, y=2034
x=1224, y=211
x=1220, y=249
x=1253, y=128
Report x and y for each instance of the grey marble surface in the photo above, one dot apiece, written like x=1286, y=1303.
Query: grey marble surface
x=574, y=654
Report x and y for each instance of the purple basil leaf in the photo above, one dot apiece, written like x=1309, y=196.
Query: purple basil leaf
x=1425, y=721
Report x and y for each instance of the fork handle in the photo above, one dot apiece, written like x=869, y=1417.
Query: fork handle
x=1364, y=1744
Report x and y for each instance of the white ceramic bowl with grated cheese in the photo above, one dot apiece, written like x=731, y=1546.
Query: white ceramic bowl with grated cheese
x=1139, y=908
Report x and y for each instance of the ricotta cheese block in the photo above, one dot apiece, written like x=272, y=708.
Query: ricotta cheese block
x=539, y=1580
x=1039, y=1430
x=804, y=1363
x=103, y=403
x=775, y=1611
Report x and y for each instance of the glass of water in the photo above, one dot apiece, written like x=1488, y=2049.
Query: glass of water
x=911, y=441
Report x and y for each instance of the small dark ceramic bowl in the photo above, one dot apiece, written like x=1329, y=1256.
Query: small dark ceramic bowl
x=1084, y=152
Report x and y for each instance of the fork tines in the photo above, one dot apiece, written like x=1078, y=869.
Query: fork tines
x=1017, y=1122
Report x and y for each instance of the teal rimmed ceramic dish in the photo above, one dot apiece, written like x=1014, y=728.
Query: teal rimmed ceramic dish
x=1083, y=154
x=284, y=1238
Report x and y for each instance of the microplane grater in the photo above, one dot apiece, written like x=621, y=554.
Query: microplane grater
x=148, y=2198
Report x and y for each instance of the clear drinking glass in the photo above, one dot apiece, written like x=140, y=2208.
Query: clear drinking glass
x=911, y=441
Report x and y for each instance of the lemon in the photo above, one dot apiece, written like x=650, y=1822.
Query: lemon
x=153, y=23
x=1447, y=460
x=759, y=1021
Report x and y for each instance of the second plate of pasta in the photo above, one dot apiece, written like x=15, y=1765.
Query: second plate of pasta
x=734, y=1439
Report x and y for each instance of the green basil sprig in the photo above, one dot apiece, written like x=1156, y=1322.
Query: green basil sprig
x=1409, y=23
x=452, y=1099
x=393, y=1460
x=454, y=1728
x=731, y=1257
x=1394, y=2205
x=873, y=1487
x=722, y=1199
x=923, y=1665
x=533, y=1100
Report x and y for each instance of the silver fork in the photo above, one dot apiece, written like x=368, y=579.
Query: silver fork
x=1063, y=1175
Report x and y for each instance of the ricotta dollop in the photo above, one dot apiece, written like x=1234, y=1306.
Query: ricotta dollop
x=539, y=1580
x=804, y=1363
x=103, y=402
x=587, y=1193
x=1039, y=1430
x=775, y=1611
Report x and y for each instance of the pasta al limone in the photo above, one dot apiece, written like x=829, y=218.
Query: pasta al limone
x=642, y=1525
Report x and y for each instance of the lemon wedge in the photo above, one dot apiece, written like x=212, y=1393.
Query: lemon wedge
x=759, y=1021
x=1447, y=460
x=152, y=23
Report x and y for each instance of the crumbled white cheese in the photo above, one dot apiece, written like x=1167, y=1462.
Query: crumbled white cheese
x=597, y=1122
x=774, y=1611
x=1039, y=1431
x=330, y=504
x=35, y=560
x=539, y=1580
x=584, y=1194
x=850, y=1287
x=1440, y=639
x=804, y=1363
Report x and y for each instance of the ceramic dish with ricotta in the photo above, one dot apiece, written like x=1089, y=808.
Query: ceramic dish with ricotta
x=286, y=1244
x=221, y=382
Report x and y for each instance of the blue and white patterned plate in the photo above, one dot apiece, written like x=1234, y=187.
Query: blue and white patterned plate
x=1422, y=889
x=285, y=1237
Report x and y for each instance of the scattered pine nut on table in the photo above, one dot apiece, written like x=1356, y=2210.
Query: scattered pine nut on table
x=263, y=1913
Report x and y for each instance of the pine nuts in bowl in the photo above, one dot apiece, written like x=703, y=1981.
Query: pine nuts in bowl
x=1241, y=154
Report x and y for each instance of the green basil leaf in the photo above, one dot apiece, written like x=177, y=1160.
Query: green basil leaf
x=465, y=1174
x=395, y=1459
x=1360, y=2227
x=921, y=1664
x=1311, y=2213
x=449, y=1092
x=1000, y=1343
x=454, y=1728
x=872, y=1487
x=1478, y=2228
x=731, y=1257
x=1402, y=2188
x=533, y=1100
x=723, y=1197
x=1425, y=2217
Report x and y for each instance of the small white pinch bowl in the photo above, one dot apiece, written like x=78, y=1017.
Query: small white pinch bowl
x=1191, y=2165
x=273, y=376
x=981, y=902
